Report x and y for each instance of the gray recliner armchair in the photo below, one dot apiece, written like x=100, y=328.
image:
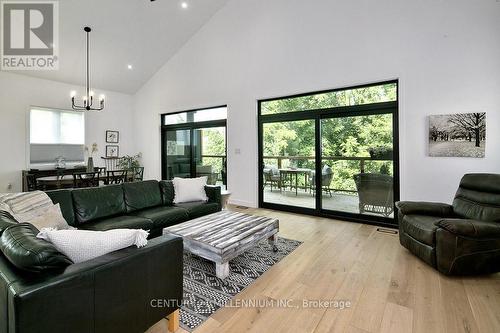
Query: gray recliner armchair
x=458, y=239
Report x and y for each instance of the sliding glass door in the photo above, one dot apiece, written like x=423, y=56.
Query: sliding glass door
x=194, y=145
x=210, y=154
x=289, y=163
x=357, y=164
x=331, y=153
x=177, y=149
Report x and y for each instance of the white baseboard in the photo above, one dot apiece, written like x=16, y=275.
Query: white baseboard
x=242, y=203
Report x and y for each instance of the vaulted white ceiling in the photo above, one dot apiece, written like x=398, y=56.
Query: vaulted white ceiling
x=141, y=33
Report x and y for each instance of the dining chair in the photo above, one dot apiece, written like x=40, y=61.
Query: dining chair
x=137, y=174
x=116, y=177
x=32, y=183
x=100, y=170
x=85, y=179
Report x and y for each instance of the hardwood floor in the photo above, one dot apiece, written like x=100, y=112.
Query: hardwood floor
x=390, y=290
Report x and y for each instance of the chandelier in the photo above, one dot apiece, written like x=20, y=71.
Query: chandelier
x=87, y=103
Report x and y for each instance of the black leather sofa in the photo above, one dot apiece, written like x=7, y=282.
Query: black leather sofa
x=144, y=205
x=458, y=239
x=124, y=291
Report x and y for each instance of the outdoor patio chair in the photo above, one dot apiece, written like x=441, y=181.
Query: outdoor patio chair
x=326, y=179
x=376, y=193
x=207, y=170
x=272, y=176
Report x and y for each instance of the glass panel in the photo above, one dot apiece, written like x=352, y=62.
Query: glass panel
x=348, y=97
x=72, y=128
x=358, y=168
x=56, y=127
x=210, y=154
x=289, y=160
x=195, y=116
x=177, y=149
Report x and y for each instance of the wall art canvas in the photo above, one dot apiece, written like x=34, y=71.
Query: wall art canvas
x=457, y=135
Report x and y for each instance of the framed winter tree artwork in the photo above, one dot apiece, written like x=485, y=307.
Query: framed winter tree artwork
x=457, y=135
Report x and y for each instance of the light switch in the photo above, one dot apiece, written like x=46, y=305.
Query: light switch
x=237, y=151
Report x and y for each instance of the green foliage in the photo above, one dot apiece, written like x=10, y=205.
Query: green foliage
x=345, y=137
x=374, y=94
x=129, y=162
x=214, y=143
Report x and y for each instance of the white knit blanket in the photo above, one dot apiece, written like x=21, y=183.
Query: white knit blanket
x=83, y=245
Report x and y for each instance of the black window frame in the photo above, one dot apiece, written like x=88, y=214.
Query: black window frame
x=191, y=126
x=334, y=112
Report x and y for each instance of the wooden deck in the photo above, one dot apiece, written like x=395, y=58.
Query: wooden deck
x=338, y=201
x=390, y=289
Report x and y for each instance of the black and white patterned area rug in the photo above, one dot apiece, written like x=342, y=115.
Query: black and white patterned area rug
x=204, y=293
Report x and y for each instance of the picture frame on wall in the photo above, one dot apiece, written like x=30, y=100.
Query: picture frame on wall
x=112, y=151
x=457, y=135
x=112, y=136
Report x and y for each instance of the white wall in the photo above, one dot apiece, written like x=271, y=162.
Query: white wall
x=446, y=54
x=19, y=92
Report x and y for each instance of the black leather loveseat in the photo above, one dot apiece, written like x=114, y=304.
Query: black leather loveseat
x=458, y=239
x=124, y=291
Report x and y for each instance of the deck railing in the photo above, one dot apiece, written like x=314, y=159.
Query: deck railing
x=362, y=162
x=280, y=162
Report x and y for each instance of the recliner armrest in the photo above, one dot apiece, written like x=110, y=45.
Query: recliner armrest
x=425, y=208
x=471, y=228
x=213, y=194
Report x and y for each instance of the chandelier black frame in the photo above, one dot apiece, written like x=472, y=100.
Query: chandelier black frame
x=88, y=99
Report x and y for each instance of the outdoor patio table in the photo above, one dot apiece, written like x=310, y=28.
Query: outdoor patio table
x=296, y=172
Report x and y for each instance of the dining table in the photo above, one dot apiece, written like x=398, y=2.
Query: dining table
x=58, y=182
x=294, y=173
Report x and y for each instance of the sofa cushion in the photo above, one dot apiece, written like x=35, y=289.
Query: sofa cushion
x=421, y=228
x=190, y=189
x=119, y=222
x=199, y=208
x=24, y=250
x=65, y=201
x=97, y=203
x=140, y=195
x=164, y=216
x=167, y=192
x=6, y=220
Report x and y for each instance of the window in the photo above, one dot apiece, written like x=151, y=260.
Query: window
x=218, y=113
x=331, y=153
x=56, y=133
x=194, y=145
x=332, y=99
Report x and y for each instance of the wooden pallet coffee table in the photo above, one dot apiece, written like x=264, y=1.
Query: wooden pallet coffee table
x=222, y=236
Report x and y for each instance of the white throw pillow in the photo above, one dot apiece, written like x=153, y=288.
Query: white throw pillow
x=83, y=245
x=190, y=189
x=51, y=218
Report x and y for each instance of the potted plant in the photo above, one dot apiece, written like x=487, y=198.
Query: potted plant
x=129, y=162
x=381, y=153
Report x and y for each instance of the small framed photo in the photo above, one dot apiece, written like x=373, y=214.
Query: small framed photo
x=112, y=136
x=112, y=151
